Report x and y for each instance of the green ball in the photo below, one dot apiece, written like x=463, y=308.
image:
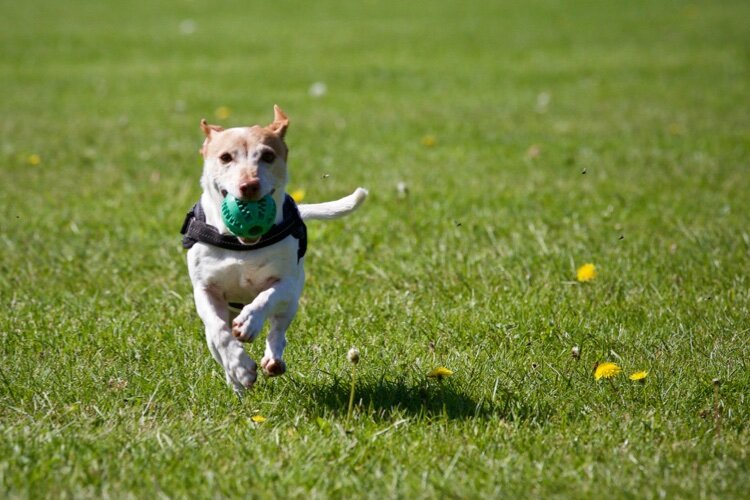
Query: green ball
x=248, y=219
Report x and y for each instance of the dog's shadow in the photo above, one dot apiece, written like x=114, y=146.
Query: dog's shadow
x=385, y=398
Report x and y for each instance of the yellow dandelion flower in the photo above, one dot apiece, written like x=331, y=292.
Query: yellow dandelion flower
x=298, y=195
x=258, y=419
x=34, y=159
x=606, y=370
x=429, y=141
x=440, y=372
x=586, y=272
x=222, y=112
x=639, y=376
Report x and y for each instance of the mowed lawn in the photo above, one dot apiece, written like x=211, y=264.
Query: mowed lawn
x=527, y=138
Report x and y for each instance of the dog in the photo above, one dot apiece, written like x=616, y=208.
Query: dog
x=238, y=284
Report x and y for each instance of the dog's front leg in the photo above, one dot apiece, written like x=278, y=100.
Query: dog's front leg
x=241, y=371
x=249, y=322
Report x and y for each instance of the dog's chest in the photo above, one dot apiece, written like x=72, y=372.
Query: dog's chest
x=240, y=276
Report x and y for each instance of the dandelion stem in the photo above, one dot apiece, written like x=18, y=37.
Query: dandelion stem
x=614, y=388
x=717, y=416
x=351, y=393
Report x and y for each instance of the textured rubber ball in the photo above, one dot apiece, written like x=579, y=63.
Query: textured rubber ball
x=248, y=219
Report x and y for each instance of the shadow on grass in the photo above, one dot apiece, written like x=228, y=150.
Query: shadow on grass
x=429, y=398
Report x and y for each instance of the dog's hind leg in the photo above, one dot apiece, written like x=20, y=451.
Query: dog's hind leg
x=273, y=363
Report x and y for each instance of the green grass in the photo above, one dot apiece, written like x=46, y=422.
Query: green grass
x=107, y=387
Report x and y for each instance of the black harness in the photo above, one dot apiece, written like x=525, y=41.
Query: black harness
x=195, y=230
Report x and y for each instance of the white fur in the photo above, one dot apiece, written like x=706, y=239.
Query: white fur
x=333, y=209
x=269, y=280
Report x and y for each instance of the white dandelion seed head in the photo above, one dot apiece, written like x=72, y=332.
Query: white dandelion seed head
x=187, y=27
x=353, y=355
x=402, y=189
x=542, y=101
x=317, y=89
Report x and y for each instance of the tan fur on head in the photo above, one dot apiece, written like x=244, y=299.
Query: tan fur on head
x=278, y=128
x=280, y=122
x=208, y=130
x=237, y=157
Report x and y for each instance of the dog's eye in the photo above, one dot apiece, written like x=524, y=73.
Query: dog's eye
x=267, y=157
x=225, y=158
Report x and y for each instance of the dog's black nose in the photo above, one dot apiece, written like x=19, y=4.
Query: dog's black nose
x=250, y=188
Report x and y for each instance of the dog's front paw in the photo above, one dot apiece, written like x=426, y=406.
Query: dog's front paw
x=273, y=367
x=242, y=373
x=247, y=327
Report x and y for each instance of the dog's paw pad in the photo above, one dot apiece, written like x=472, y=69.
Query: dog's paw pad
x=273, y=367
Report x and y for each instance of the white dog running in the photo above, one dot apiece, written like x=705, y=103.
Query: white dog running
x=262, y=279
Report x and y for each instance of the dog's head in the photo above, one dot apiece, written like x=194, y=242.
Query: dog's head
x=247, y=162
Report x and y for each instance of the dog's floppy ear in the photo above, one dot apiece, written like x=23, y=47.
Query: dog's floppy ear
x=280, y=122
x=208, y=130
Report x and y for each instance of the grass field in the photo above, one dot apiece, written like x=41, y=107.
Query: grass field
x=533, y=137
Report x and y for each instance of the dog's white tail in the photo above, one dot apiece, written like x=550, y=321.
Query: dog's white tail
x=333, y=209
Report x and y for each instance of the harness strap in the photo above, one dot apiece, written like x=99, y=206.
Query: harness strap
x=195, y=229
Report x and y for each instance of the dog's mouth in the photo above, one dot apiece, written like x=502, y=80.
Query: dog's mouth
x=224, y=192
x=248, y=241
x=244, y=240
